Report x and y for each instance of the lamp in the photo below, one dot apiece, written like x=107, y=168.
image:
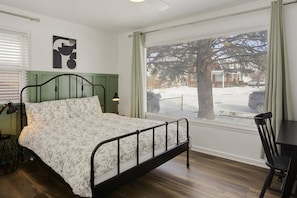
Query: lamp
x=11, y=109
x=116, y=99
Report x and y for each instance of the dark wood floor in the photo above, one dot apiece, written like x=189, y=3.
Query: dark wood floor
x=207, y=177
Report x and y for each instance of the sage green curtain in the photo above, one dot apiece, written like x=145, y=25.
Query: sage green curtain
x=278, y=98
x=138, y=66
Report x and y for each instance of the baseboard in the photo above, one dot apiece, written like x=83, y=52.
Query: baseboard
x=259, y=163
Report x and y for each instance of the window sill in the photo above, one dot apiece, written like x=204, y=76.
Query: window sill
x=206, y=123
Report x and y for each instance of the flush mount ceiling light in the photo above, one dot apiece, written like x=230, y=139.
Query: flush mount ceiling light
x=137, y=1
x=160, y=5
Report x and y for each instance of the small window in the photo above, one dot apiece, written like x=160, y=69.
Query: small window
x=13, y=64
x=208, y=79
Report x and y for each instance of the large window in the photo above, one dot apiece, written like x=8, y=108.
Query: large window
x=13, y=64
x=221, y=79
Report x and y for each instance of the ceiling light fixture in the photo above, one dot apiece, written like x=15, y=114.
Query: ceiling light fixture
x=137, y=1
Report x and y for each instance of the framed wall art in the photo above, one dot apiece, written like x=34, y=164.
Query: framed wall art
x=64, y=53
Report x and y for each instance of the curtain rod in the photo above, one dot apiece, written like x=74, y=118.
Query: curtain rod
x=19, y=15
x=212, y=18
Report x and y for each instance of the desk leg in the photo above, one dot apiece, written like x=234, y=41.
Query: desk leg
x=291, y=175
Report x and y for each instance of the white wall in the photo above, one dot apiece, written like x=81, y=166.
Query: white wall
x=96, y=50
x=241, y=144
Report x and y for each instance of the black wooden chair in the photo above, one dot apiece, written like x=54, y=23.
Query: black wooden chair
x=277, y=163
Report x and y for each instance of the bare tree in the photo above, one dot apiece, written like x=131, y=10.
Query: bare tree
x=174, y=62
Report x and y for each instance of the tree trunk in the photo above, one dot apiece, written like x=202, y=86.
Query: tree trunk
x=204, y=90
x=204, y=85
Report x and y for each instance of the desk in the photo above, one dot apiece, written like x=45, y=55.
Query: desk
x=288, y=137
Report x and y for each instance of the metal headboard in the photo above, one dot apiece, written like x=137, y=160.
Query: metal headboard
x=76, y=84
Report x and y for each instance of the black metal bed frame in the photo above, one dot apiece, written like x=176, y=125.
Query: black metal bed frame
x=121, y=178
x=79, y=86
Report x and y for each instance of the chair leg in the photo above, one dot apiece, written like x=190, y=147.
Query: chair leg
x=267, y=182
x=295, y=192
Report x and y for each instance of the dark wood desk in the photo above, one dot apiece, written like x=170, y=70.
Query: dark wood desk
x=288, y=137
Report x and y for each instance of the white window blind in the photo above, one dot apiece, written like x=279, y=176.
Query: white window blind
x=14, y=56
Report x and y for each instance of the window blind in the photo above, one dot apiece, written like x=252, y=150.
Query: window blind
x=14, y=50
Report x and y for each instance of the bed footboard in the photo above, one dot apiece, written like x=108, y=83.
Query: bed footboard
x=141, y=168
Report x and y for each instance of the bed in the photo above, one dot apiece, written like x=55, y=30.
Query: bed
x=93, y=151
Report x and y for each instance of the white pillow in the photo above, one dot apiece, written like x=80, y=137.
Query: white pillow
x=79, y=107
x=46, y=111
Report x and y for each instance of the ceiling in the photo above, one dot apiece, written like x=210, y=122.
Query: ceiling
x=120, y=15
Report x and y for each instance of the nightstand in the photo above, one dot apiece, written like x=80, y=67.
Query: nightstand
x=9, y=154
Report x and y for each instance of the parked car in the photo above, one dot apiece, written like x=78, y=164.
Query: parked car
x=153, y=102
x=254, y=83
x=256, y=100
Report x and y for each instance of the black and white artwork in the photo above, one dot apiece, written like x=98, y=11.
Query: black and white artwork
x=64, y=53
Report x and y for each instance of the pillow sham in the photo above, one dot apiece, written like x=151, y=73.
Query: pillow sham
x=88, y=106
x=46, y=111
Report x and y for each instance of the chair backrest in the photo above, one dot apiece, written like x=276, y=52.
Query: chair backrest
x=266, y=132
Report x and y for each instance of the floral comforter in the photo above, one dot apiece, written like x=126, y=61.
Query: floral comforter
x=66, y=145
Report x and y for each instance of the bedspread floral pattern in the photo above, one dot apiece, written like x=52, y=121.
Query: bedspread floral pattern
x=46, y=111
x=62, y=109
x=66, y=145
x=83, y=106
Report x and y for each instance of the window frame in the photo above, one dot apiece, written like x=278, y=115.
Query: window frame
x=206, y=122
x=20, y=62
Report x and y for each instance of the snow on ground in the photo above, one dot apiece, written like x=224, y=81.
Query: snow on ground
x=230, y=103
